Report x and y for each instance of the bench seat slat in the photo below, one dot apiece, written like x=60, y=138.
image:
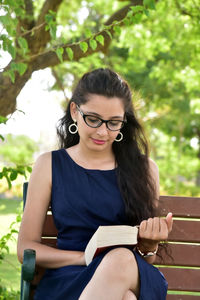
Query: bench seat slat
x=180, y=206
x=181, y=279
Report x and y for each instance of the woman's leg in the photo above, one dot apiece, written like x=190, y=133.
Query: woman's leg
x=116, y=274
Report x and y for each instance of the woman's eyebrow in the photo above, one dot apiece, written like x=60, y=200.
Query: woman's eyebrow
x=96, y=114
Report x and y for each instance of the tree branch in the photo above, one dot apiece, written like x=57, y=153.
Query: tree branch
x=50, y=59
x=59, y=83
x=29, y=7
x=26, y=22
x=39, y=43
x=120, y=14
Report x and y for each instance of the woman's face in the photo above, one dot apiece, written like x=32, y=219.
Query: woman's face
x=100, y=138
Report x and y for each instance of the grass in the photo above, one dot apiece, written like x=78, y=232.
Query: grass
x=10, y=267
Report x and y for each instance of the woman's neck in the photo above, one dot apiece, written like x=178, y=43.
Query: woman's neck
x=92, y=159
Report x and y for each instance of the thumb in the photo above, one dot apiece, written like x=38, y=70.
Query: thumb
x=169, y=221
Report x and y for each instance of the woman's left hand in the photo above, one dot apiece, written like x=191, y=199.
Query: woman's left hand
x=154, y=230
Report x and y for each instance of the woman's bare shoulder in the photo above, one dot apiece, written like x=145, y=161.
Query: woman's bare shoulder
x=153, y=164
x=42, y=169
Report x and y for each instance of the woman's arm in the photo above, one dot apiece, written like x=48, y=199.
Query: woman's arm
x=38, y=198
x=154, y=230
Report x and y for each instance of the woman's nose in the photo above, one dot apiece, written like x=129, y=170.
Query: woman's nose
x=102, y=130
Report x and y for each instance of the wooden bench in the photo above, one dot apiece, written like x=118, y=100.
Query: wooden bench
x=182, y=273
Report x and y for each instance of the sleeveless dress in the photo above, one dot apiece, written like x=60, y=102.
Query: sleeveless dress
x=83, y=199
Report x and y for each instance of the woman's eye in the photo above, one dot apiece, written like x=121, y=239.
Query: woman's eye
x=114, y=123
x=92, y=120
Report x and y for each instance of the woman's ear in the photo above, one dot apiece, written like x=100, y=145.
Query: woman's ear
x=73, y=111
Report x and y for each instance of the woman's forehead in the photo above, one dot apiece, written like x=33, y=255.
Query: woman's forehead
x=103, y=105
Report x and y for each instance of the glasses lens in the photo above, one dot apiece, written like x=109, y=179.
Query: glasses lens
x=115, y=124
x=93, y=121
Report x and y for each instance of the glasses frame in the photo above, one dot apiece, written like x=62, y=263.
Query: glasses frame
x=100, y=119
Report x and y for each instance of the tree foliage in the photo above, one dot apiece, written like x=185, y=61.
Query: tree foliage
x=41, y=34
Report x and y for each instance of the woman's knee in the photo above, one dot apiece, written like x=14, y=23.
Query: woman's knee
x=129, y=295
x=120, y=262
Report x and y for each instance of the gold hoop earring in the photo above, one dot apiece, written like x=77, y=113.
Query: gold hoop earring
x=120, y=138
x=71, y=130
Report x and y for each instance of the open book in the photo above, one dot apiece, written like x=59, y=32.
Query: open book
x=107, y=236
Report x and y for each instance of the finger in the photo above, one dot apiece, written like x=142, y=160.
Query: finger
x=142, y=229
x=156, y=225
x=163, y=230
x=143, y=225
x=169, y=221
x=149, y=227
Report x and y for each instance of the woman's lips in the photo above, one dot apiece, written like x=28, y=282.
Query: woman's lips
x=98, y=142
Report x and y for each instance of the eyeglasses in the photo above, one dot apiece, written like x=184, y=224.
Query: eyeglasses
x=95, y=122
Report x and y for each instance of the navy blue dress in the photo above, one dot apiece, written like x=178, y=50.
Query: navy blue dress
x=82, y=199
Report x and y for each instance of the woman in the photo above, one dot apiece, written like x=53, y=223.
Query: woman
x=101, y=175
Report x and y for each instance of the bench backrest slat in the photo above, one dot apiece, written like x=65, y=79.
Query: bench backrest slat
x=180, y=206
x=185, y=231
x=181, y=297
x=184, y=279
x=181, y=255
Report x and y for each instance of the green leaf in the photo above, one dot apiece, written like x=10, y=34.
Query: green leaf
x=23, y=44
x=8, y=181
x=19, y=67
x=1, y=175
x=129, y=14
x=18, y=218
x=93, y=44
x=109, y=34
x=88, y=33
x=13, y=175
x=29, y=169
x=150, y=4
x=59, y=52
x=100, y=39
x=117, y=29
x=83, y=46
x=22, y=68
x=127, y=22
x=2, y=138
x=146, y=11
x=53, y=31
x=11, y=74
x=137, y=8
x=70, y=53
x=136, y=18
x=3, y=119
x=11, y=50
x=5, y=20
x=49, y=18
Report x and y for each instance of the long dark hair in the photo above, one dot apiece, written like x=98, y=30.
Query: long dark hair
x=136, y=184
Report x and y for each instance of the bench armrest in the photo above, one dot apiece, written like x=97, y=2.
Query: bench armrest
x=28, y=271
